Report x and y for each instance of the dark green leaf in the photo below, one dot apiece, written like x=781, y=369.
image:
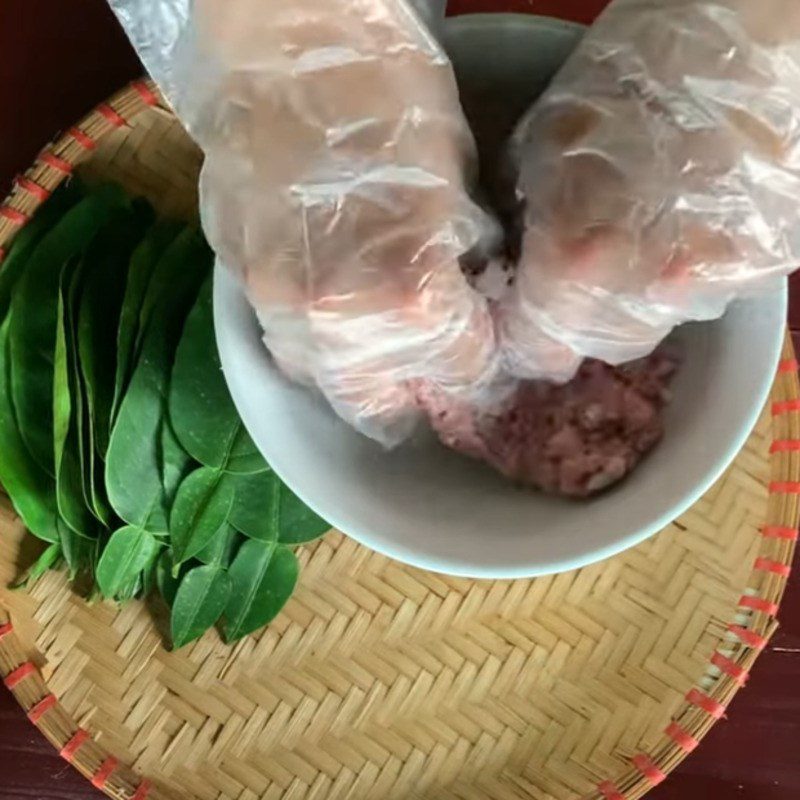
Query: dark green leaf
x=134, y=478
x=129, y=551
x=167, y=583
x=70, y=493
x=263, y=575
x=222, y=546
x=26, y=240
x=176, y=463
x=201, y=508
x=143, y=263
x=98, y=317
x=78, y=550
x=32, y=491
x=202, y=412
x=32, y=331
x=199, y=602
x=267, y=510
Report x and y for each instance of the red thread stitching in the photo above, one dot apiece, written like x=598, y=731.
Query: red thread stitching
x=684, y=740
x=104, y=772
x=609, y=791
x=787, y=365
x=758, y=604
x=52, y=160
x=33, y=188
x=768, y=565
x=784, y=487
x=750, y=638
x=779, y=532
x=112, y=116
x=145, y=93
x=5, y=629
x=17, y=217
x=785, y=446
x=83, y=139
x=142, y=791
x=708, y=704
x=785, y=406
x=729, y=667
x=19, y=674
x=73, y=745
x=41, y=708
x=647, y=767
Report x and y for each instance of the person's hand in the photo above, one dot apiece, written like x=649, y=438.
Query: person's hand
x=661, y=174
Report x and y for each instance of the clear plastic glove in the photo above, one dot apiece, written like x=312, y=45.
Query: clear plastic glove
x=661, y=179
x=334, y=185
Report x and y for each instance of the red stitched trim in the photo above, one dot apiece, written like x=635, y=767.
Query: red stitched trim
x=785, y=406
x=648, y=768
x=104, y=772
x=115, y=119
x=784, y=487
x=83, y=139
x=779, y=532
x=41, y=708
x=684, y=740
x=69, y=750
x=750, y=638
x=758, y=604
x=2, y=255
x=52, y=160
x=39, y=192
x=768, y=565
x=142, y=791
x=729, y=667
x=708, y=704
x=144, y=92
x=5, y=629
x=788, y=365
x=785, y=446
x=19, y=674
x=17, y=217
x=609, y=791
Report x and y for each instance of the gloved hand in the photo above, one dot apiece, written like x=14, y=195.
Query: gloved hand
x=661, y=177
x=335, y=186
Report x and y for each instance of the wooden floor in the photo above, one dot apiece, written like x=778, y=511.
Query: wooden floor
x=56, y=66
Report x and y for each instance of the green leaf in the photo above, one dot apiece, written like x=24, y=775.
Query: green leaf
x=70, y=493
x=78, y=550
x=222, y=546
x=98, y=317
x=133, y=464
x=29, y=237
x=166, y=582
x=32, y=332
x=267, y=510
x=129, y=551
x=199, y=602
x=142, y=265
x=201, y=508
x=201, y=409
x=176, y=463
x=46, y=561
x=263, y=575
x=32, y=491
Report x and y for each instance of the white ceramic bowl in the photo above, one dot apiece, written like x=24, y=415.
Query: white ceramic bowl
x=431, y=508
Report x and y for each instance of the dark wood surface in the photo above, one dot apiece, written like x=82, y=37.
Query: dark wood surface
x=59, y=60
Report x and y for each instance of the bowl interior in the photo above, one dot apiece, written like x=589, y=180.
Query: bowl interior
x=433, y=509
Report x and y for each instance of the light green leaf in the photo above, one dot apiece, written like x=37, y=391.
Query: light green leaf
x=201, y=508
x=128, y=552
x=199, y=602
x=263, y=575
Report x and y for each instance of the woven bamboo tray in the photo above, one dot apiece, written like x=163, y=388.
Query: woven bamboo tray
x=382, y=681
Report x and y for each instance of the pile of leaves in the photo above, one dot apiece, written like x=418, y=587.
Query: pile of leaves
x=120, y=446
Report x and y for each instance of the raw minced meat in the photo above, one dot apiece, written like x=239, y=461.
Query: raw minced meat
x=576, y=439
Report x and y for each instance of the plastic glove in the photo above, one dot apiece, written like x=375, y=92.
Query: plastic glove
x=334, y=186
x=661, y=175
